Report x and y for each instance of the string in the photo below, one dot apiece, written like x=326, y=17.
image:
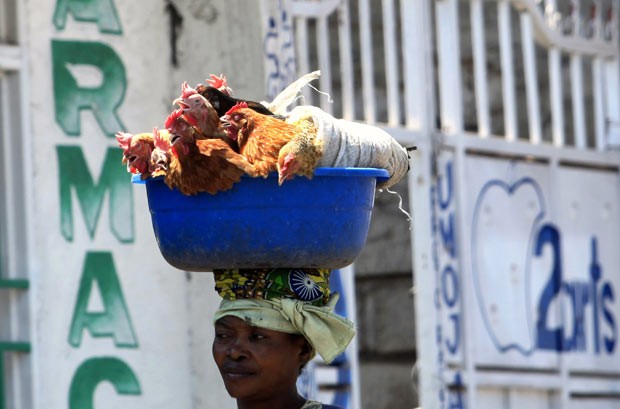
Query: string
x=329, y=98
x=400, y=205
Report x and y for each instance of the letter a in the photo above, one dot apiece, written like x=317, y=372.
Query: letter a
x=114, y=321
x=100, y=11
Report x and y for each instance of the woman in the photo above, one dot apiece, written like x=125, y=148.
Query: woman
x=269, y=325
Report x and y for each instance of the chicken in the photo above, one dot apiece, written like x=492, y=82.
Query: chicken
x=260, y=137
x=299, y=157
x=200, y=165
x=219, y=82
x=160, y=157
x=199, y=112
x=223, y=102
x=137, y=151
x=339, y=143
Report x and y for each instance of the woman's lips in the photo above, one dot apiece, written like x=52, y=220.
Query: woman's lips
x=236, y=371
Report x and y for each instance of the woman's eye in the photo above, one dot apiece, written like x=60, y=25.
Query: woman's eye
x=257, y=336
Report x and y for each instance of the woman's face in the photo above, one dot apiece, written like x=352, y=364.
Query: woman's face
x=257, y=363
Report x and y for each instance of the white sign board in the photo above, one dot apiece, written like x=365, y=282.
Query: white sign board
x=526, y=270
x=113, y=325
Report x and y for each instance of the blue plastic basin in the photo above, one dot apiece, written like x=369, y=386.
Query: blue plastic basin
x=321, y=222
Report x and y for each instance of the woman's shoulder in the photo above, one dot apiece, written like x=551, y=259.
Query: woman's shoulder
x=311, y=404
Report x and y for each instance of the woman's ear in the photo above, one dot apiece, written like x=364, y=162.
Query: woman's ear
x=306, y=353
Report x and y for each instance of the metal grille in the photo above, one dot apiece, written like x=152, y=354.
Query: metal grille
x=15, y=380
x=519, y=81
x=520, y=70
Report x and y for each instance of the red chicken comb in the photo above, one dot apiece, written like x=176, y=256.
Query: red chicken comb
x=237, y=106
x=217, y=81
x=124, y=140
x=187, y=91
x=173, y=117
x=159, y=141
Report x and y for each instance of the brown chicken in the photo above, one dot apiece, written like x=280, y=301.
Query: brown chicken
x=200, y=165
x=300, y=156
x=339, y=143
x=137, y=151
x=199, y=112
x=260, y=137
x=160, y=157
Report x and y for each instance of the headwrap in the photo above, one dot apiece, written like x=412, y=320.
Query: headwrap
x=280, y=307
x=308, y=285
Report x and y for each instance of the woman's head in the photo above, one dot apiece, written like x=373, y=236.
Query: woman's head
x=269, y=325
x=258, y=363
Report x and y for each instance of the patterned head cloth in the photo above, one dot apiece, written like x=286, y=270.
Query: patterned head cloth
x=308, y=285
x=292, y=300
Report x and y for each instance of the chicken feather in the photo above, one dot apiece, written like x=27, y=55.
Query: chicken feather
x=260, y=137
x=200, y=165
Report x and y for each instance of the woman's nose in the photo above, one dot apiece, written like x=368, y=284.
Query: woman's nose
x=237, y=349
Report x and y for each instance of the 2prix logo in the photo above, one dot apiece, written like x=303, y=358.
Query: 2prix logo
x=526, y=301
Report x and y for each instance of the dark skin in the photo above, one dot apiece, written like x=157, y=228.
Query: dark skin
x=259, y=366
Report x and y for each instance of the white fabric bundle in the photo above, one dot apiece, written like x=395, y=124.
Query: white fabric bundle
x=353, y=144
x=281, y=102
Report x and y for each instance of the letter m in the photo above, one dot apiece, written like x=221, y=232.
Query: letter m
x=76, y=177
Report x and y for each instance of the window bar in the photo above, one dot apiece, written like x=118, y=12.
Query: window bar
x=556, y=96
x=324, y=63
x=555, y=79
x=598, y=96
x=346, y=62
x=301, y=51
x=576, y=77
x=480, y=68
x=508, y=82
x=611, y=72
x=10, y=57
x=8, y=218
x=368, y=86
x=391, y=62
x=449, y=72
x=577, y=95
x=417, y=70
x=597, y=77
x=3, y=28
x=612, y=22
x=594, y=20
x=531, y=79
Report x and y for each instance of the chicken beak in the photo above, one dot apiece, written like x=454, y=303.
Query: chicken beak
x=225, y=120
x=180, y=102
x=162, y=164
x=281, y=178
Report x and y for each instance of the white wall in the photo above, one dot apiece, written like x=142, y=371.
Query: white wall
x=156, y=325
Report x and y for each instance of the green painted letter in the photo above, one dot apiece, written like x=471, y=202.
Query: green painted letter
x=74, y=173
x=102, y=12
x=70, y=98
x=114, y=320
x=96, y=370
